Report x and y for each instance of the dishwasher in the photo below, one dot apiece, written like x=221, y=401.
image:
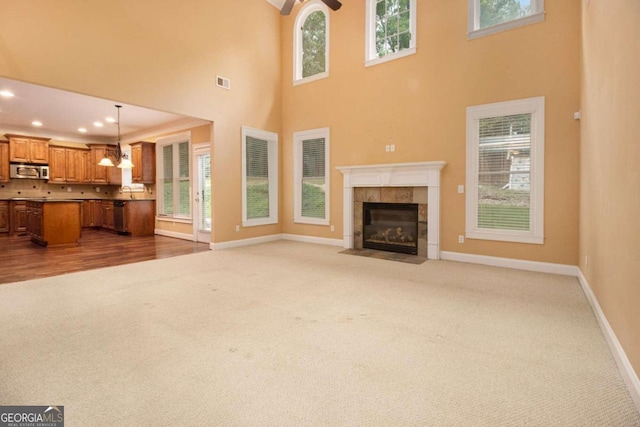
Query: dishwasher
x=118, y=216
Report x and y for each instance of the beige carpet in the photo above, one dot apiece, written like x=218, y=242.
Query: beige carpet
x=292, y=334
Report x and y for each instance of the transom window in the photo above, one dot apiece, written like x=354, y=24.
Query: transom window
x=505, y=171
x=492, y=16
x=391, y=30
x=311, y=43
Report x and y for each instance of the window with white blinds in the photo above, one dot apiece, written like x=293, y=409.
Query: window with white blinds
x=259, y=177
x=174, y=177
x=311, y=176
x=505, y=171
x=492, y=16
x=311, y=43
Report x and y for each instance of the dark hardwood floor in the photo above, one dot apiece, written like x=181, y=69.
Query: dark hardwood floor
x=20, y=259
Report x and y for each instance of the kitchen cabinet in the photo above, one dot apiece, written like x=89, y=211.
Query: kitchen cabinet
x=85, y=167
x=143, y=157
x=4, y=216
x=140, y=217
x=4, y=161
x=54, y=222
x=67, y=165
x=91, y=213
x=28, y=149
x=18, y=216
x=108, y=214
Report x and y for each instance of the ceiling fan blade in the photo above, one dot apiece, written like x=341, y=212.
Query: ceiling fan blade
x=286, y=8
x=333, y=4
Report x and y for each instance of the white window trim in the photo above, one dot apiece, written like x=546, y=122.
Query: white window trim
x=475, y=32
x=179, y=137
x=298, y=138
x=272, y=152
x=535, y=106
x=308, y=9
x=370, y=53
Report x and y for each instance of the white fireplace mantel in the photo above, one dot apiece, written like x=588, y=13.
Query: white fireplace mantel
x=419, y=174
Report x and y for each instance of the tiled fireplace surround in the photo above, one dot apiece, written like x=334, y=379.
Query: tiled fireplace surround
x=391, y=195
x=394, y=183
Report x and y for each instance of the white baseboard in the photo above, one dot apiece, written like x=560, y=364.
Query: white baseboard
x=541, y=267
x=174, y=234
x=311, y=239
x=246, y=242
x=624, y=366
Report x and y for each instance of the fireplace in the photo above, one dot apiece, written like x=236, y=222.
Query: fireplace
x=371, y=183
x=390, y=227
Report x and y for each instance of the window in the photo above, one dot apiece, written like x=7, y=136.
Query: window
x=174, y=176
x=259, y=177
x=390, y=30
x=311, y=176
x=492, y=16
x=311, y=43
x=505, y=171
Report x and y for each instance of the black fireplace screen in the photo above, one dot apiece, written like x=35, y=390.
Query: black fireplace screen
x=391, y=227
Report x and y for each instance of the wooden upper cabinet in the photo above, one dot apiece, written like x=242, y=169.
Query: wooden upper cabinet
x=67, y=164
x=73, y=164
x=28, y=149
x=4, y=161
x=85, y=167
x=57, y=159
x=99, y=174
x=143, y=157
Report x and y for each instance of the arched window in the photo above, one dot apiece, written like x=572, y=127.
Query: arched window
x=311, y=43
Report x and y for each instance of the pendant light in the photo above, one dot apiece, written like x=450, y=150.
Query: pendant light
x=121, y=158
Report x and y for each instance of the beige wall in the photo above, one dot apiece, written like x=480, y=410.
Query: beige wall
x=160, y=55
x=418, y=103
x=610, y=171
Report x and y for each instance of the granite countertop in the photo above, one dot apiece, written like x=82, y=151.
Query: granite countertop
x=58, y=199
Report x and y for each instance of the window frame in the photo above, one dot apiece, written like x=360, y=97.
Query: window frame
x=536, y=107
x=370, y=54
x=303, y=14
x=160, y=144
x=473, y=25
x=272, y=161
x=298, y=139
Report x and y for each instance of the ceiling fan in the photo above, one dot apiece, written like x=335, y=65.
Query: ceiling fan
x=288, y=5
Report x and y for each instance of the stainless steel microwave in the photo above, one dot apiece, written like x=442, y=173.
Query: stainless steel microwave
x=29, y=171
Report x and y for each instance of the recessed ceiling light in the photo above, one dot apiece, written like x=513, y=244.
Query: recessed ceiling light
x=98, y=124
x=110, y=120
x=36, y=123
x=6, y=94
x=82, y=130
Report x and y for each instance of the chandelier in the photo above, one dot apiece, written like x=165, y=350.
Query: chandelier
x=120, y=158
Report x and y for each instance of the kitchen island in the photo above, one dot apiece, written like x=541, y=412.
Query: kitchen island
x=54, y=221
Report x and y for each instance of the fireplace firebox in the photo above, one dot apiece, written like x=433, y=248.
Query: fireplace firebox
x=390, y=227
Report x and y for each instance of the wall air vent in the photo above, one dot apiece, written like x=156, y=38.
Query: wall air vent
x=223, y=82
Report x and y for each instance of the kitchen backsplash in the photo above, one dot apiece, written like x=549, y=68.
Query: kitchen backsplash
x=39, y=188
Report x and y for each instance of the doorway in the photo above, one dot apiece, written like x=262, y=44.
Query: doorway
x=202, y=193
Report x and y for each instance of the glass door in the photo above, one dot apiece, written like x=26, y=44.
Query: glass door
x=202, y=193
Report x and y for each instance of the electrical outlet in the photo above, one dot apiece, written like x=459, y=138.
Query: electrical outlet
x=333, y=228
x=68, y=189
x=460, y=189
x=387, y=148
x=237, y=228
x=392, y=147
x=461, y=239
x=97, y=189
